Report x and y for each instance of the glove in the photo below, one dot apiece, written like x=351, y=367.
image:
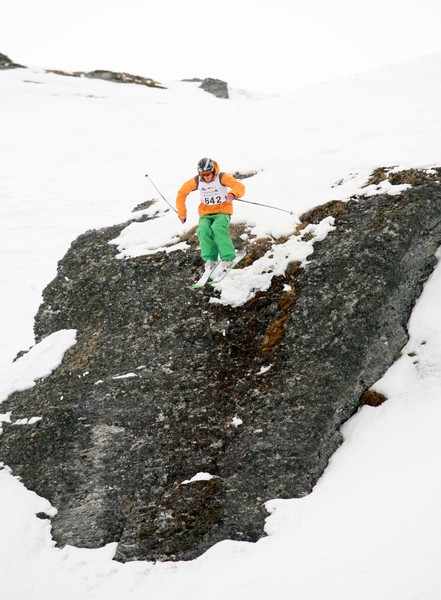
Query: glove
x=230, y=197
x=182, y=219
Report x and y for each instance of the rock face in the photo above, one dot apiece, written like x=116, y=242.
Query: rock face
x=112, y=453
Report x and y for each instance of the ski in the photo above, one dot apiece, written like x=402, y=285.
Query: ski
x=206, y=275
x=219, y=274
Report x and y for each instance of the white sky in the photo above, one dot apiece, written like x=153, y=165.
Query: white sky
x=271, y=46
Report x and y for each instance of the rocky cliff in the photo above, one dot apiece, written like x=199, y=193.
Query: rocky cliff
x=162, y=384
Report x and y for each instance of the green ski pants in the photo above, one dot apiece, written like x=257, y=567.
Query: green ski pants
x=214, y=237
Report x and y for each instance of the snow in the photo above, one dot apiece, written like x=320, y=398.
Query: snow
x=198, y=477
x=242, y=284
x=74, y=156
x=126, y=376
x=39, y=362
x=236, y=421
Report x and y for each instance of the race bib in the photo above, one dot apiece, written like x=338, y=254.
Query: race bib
x=212, y=199
x=213, y=193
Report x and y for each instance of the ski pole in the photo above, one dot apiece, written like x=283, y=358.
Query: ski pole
x=163, y=197
x=290, y=212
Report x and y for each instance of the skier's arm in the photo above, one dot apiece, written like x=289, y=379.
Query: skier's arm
x=189, y=186
x=237, y=188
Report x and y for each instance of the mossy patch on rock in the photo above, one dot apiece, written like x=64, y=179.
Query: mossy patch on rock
x=413, y=177
x=372, y=398
x=329, y=209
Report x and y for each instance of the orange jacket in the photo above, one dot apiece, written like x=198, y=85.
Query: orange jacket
x=236, y=187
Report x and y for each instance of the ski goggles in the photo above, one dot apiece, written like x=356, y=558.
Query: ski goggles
x=205, y=173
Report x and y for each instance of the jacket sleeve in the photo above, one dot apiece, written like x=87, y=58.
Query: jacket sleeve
x=189, y=186
x=237, y=188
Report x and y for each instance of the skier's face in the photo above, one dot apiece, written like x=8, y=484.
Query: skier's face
x=207, y=176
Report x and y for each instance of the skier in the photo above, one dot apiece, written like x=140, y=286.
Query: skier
x=217, y=190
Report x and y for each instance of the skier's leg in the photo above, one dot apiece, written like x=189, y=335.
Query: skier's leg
x=206, y=240
x=222, y=237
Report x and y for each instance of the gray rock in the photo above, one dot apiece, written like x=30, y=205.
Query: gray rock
x=112, y=76
x=217, y=87
x=7, y=63
x=118, y=77
x=112, y=454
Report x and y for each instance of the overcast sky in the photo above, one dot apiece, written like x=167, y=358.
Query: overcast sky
x=264, y=45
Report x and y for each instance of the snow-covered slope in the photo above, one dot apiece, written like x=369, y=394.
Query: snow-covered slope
x=74, y=154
